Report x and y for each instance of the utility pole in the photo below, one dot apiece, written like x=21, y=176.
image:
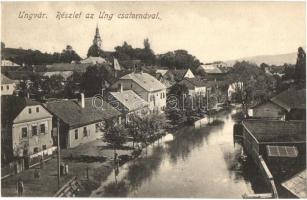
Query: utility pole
x=58, y=141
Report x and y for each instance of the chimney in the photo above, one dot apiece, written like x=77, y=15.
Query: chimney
x=82, y=100
x=120, y=88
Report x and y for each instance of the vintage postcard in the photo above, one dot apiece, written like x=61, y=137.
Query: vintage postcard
x=153, y=99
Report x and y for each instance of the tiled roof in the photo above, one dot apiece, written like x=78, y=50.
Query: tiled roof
x=162, y=71
x=6, y=80
x=129, y=99
x=297, y=185
x=20, y=75
x=291, y=99
x=145, y=80
x=11, y=106
x=276, y=131
x=71, y=112
x=93, y=60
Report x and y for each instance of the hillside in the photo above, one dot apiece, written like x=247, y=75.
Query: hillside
x=278, y=59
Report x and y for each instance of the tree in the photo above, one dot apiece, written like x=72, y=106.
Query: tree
x=68, y=55
x=300, y=67
x=92, y=81
x=72, y=87
x=116, y=135
x=95, y=51
x=54, y=85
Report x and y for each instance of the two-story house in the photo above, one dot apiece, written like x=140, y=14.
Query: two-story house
x=195, y=86
x=146, y=86
x=25, y=129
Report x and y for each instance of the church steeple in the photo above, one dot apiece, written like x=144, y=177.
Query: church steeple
x=97, y=39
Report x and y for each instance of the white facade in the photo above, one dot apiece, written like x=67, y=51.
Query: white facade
x=8, y=89
x=31, y=131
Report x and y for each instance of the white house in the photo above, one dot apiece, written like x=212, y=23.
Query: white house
x=146, y=86
x=8, y=86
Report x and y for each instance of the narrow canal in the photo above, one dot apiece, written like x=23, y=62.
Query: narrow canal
x=196, y=161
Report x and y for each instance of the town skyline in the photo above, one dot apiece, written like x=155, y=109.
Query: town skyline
x=207, y=44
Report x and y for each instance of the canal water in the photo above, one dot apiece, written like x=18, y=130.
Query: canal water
x=195, y=161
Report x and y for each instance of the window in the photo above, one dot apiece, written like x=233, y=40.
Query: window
x=35, y=149
x=30, y=110
x=24, y=132
x=44, y=147
x=42, y=128
x=37, y=109
x=161, y=95
x=131, y=85
x=1, y=87
x=34, y=130
x=76, y=134
x=84, y=132
x=7, y=87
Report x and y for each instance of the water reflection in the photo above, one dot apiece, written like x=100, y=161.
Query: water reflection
x=193, y=162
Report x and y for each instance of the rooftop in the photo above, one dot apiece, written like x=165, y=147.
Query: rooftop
x=68, y=67
x=177, y=73
x=11, y=106
x=211, y=69
x=93, y=60
x=297, y=185
x=276, y=131
x=6, y=80
x=197, y=82
x=291, y=99
x=71, y=112
x=129, y=99
x=145, y=80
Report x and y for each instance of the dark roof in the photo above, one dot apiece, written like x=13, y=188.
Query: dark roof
x=177, y=73
x=79, y=67
x=291, y=99
x=276, y=130
x=129, y=64
x=6, y=80
x=197, y=82
x=20, y=75
x=11, y=106
x=71, y=112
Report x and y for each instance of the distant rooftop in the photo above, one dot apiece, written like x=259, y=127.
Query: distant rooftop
x=93, y=60
x=145, y=80
x=276, y=131
x=210, y=69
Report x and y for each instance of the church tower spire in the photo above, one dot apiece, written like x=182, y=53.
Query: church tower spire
x=97, y=39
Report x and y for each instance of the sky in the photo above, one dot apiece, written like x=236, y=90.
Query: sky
x=208, y=30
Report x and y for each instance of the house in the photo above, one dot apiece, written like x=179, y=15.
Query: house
x=82, y=120
x=8, y=86
x=281, y=143
x=195, y=86
x=146, y=86
x=25, y=130
x=211, y=72
x=128, y=103
x=179, y=74
x=288, y=105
